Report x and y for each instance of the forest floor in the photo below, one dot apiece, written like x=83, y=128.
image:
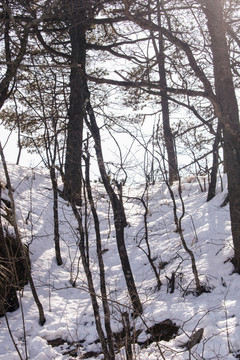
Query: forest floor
x=70, y=332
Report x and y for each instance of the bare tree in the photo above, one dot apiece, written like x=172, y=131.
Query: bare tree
x=106, y=309
x=159, y=48
x=223, y=101
x=117, y=206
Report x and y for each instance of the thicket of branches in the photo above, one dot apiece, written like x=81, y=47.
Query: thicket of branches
x=74, y=72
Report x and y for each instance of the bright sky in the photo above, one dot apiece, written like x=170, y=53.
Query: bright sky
x=9, y=144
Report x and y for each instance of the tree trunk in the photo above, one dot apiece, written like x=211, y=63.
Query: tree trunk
x=168, y=136
x=55, y=216
x=213, y=181
x=106, y=309
x=167, y=132
x=96, y=310
x=118, y=210
x=227, y=98
x=73, y=175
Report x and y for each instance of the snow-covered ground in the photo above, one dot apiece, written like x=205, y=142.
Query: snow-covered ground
x=68, y=309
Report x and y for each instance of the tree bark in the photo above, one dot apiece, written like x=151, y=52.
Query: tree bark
x=213, y=181
x=227, y=99
x=73, y=175
x=55, y=216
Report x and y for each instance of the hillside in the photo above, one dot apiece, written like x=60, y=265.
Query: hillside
x=70, y=332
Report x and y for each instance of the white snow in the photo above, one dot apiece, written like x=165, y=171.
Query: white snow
x=68, y=310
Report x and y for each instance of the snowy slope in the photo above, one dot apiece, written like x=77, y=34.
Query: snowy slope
x=68, y=309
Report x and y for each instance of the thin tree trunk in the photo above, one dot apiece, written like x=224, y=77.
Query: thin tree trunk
x=168, y=136
x=178, y=221
x=55, y=216
x=128, y=339
x=107, y=317
x=12, y=66
x=146, y=237
x=213, y=181
x=118, y=210
x=19, y=148
x=92, y=292
x=19, y=143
